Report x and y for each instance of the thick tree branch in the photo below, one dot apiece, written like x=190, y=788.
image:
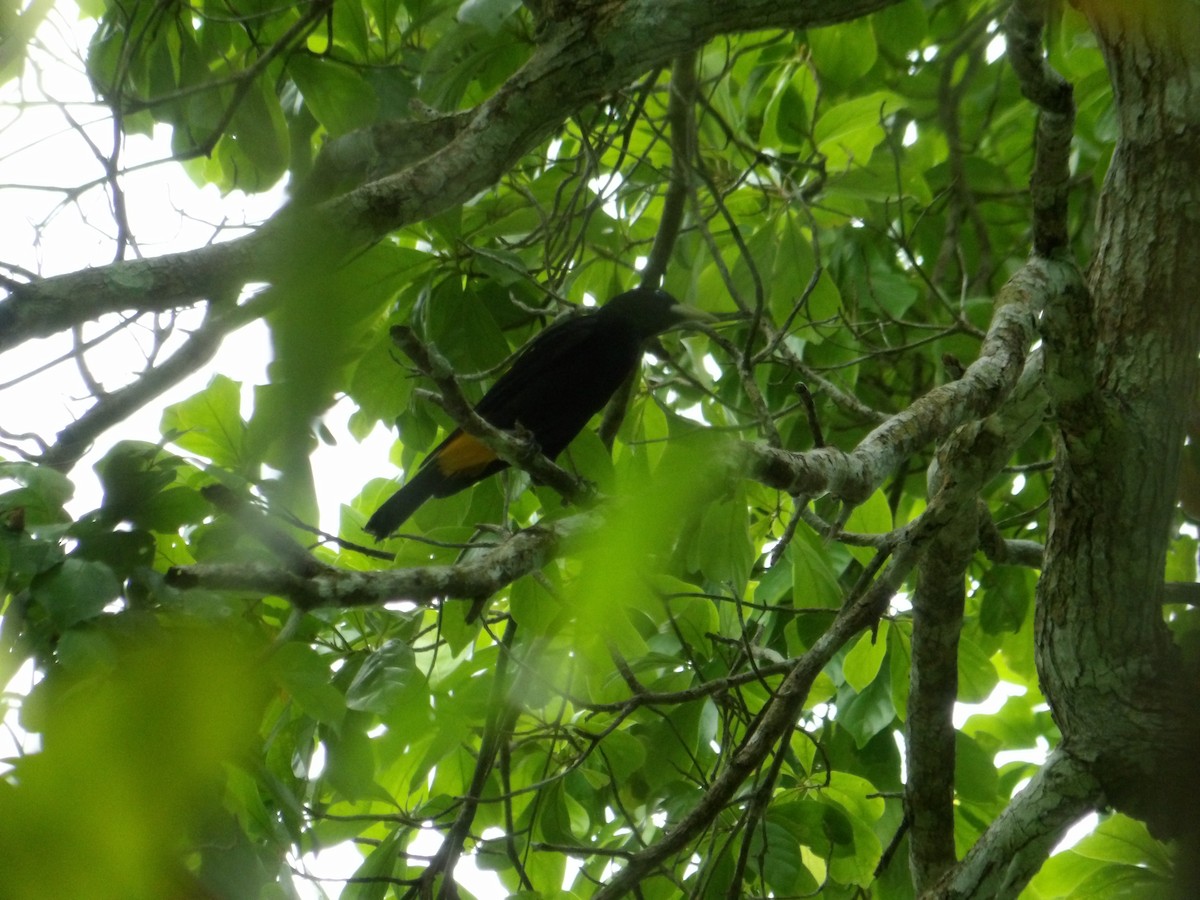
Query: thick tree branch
x=929, y=729
x=521, y=554
x=1124, y=374
x=379, y=150
x=974, y=454
x=986, y=383
x=579, y=62
x=1017, y=843
x=174, y=281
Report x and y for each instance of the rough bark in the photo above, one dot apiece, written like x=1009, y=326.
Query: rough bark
x=1122, y=371
x=1012, y=850
x=974, y=454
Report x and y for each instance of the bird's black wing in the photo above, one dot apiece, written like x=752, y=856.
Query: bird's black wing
x=552, y=351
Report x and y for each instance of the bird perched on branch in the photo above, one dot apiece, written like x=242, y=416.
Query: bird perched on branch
x=556, y=383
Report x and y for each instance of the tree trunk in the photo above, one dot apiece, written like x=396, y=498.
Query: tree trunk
x=1122, y=374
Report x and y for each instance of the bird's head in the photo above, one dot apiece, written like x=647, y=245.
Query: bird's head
x=653, y=311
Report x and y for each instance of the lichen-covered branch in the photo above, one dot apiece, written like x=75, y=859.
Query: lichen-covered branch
x=854, y=475
x=521, y=554
x=974, y=454
x=1016, y=844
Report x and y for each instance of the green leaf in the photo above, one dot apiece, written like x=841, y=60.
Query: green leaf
x=901, y=27
x=1007, y=593
x=892, y=292
x=623, y=753
x=845, y=52
x=862, y=663
x=1116, y=882
x=388, y=677
x=257, y=144
x=87, y=651
x=788, y=113
x=44, y=490
x=723, y=549
x=783, y=864
x=823, y=306
x=977, y=677
x=126, y=552
x=561, y=819
x=336, y=94
x=1181, y=558
x=591, y=460
x=1060, y=875
x=975, y=776
x=75, y=591
x=775, y=584
x=350, y=761
x=760, y=261
x=1121, y=839
x=134, y=475
x=209, y=423
x=794, y=264
x=464, y=331
x=854, y=862
x=533, y=607
x=813, y=580
x=849, y=132
x=872, y=517
x=370, y=880
x=869, y=713
x=305, y=675
x=351, y=28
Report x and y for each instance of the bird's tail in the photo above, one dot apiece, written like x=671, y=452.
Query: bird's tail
x=402, y=504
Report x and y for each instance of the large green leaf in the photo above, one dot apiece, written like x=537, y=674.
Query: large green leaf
x=847, y=134
x=862, y=663
x=844, y=53
x=75, y=590
x=305, y=675
x=210, y=423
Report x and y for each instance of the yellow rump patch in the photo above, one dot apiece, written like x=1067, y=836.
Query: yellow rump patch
x=464, y=455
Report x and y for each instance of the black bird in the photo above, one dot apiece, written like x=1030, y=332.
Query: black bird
x=556, y=383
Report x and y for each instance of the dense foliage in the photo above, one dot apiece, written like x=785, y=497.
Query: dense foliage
x=228, y=688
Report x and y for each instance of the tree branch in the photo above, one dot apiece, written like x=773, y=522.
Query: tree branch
x=1016, y=844
x=173, y=281
x=1050, y=181
x=521, y=554
x=929, y=730
x=579, y=62
x=201, y=346
x=984, y=385
x=681, y=116
x=974, y=454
